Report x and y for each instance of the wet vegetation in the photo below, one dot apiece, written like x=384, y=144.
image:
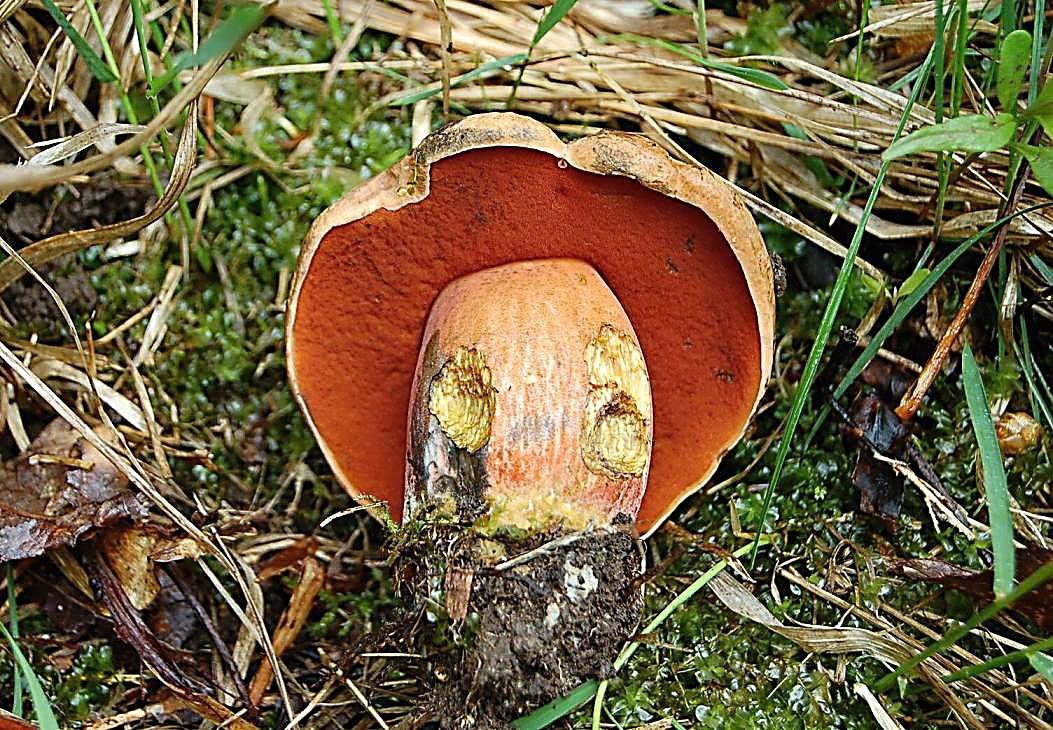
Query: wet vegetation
x=239, y=445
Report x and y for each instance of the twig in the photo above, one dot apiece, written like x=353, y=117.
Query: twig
x=176, y=574
x=912, y=399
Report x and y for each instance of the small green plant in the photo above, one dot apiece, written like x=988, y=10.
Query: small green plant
x=41, y=706
x=1010, y=128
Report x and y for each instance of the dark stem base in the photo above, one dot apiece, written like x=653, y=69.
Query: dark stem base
x=509, y=624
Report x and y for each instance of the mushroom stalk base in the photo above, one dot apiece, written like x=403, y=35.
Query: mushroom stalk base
x=508, y=624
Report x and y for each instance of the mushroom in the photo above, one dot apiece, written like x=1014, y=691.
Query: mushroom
x=474, y=291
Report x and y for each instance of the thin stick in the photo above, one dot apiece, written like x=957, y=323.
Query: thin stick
x=445, y=49
x=912, y=399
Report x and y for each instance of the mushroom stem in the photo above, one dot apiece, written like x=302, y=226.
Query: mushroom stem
x=531, y=404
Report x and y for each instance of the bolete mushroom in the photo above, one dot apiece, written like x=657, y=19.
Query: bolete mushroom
x=673, y=242
x=538, y=337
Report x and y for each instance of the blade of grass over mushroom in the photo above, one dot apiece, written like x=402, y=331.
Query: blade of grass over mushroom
x=906, y=303
x=12, y=609
x=557, y=709
x=41, y=706
x=670, y=608
x=479, y=72
x=587, y=691
x=91, y=59
x=995, y=487
x=1039, y=577
x=826, y=324
x=224, y=38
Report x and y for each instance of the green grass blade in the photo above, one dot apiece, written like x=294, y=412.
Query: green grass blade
x=12, y=607
x=585, y=692
x=223, y=39
x=334, y=23
x=753, y=75
x=975, y=670
x=551, y=19
x=1036, y=51
x=971, y=133
x=45, y=716
x=908, y=302
x=488, y=67
x=138, y=20
x=1012, y=67
x=1033, y=581
x=95, y=64
x=1037, y=390
x=557, y=709
x=700, y=28
x=826, y=324
x=994, y=476
x=1043, y=665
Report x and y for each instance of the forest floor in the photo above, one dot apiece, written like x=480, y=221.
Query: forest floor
x=880, y=539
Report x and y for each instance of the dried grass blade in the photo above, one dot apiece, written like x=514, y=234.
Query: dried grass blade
x=49, y=249
x=29, y=178
x=79, y=142
x=95, y=64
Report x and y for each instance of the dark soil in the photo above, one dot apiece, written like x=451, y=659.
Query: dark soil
x=503, y=640
x=27, y=219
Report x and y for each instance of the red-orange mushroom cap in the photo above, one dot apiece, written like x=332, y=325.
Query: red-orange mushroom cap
x=673, y=242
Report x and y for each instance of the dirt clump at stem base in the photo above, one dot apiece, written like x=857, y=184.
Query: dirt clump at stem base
x=508, y=622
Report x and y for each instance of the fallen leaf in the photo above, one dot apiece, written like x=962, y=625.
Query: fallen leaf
x=132, y=553
x=1017, y=432
x=880, y=487
x=1036, y=605
x=60, y=488
x=292, y=621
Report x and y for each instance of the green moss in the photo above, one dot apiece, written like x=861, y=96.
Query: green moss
x=764, y=31
x=222, y=360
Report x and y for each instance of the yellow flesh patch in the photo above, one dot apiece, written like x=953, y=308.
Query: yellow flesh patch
x=463, y=399
x=615, y=432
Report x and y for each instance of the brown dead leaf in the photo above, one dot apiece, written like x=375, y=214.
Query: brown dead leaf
x=133, y=551
x=977, y=584
x=60, y=488
x=288, y=558
x=880, y=487
x=312, y=578
x=1018, y=432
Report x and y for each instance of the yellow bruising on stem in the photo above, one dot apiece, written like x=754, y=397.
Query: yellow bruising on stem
x=615, y=432
x=536, y=510
x=463, y=399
